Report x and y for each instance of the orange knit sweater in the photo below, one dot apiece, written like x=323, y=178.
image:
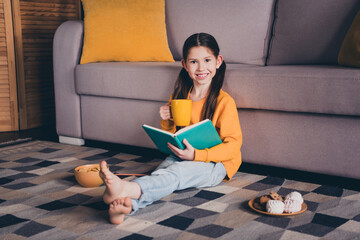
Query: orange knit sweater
x=226, y=122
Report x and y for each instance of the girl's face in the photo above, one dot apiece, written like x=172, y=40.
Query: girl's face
x=201, y=65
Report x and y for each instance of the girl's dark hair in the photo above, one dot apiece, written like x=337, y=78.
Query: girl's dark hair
x=184, y=82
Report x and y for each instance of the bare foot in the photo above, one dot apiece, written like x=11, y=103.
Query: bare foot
x=118, y=209
x=117, y=188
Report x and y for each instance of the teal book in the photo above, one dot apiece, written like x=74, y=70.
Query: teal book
x=200, y=135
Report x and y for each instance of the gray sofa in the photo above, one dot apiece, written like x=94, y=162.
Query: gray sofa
x=298, y=109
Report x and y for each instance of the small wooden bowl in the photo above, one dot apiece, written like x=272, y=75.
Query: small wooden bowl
x=87, y=178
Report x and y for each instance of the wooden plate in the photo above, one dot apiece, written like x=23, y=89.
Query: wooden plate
x=251, y=205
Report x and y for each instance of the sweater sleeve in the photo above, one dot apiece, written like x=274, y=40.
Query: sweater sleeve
x=226, y=121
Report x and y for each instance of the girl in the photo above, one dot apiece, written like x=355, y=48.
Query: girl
x=200, y=80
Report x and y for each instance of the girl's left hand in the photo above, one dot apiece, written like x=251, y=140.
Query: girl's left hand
x=187, y=154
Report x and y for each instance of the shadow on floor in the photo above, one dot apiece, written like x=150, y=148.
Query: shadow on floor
x=46, y=133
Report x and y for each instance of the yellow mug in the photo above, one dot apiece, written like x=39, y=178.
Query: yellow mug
x=181, y=112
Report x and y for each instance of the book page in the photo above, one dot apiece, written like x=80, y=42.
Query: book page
x=159, y=130
x=190, y=127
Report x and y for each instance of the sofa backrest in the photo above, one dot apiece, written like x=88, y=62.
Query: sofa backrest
x=241, y=27
x=310, y=31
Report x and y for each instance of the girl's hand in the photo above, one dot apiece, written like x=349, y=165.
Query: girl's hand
x=187, y=154
x=165, y=112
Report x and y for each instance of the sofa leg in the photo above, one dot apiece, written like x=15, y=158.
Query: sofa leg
x=72, y=141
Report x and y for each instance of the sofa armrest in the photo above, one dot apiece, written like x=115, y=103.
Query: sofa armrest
x=67, y=48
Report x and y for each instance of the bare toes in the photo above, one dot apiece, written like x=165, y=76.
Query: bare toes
x=104, y=169
x=127, y=202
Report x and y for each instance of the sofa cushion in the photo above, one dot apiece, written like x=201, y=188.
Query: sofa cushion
x=317, y=89
x=241, y=27
x=125, y=30
x=310, y=31
x=136, y=80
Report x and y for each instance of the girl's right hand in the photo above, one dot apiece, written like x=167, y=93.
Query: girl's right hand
x=165, y=111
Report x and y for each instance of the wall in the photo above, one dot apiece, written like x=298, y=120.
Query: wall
x=27, y=99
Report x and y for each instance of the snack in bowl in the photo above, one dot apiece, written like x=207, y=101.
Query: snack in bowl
x=275, y=206
x=294, y=196
x=88, y=175
x=264, y=199
x=259, y=206
x=275, y=196
x=292, y=206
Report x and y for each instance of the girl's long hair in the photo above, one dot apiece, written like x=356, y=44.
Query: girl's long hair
x=184, y=83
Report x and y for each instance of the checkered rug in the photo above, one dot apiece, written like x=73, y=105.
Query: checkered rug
x=40, y=199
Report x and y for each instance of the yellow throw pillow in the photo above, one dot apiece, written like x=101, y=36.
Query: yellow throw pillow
x=125, y=30
x=349, y=54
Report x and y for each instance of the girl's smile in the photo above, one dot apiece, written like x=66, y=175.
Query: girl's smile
x=202, y=76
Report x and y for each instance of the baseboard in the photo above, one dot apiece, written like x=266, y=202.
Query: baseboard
x=71, y=140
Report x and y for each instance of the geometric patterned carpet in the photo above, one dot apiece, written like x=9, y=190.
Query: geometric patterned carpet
x=40, y=199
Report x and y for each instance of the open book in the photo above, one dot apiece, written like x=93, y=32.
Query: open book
x=200, y=135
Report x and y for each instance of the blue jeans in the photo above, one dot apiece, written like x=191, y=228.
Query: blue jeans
x=175, y=174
